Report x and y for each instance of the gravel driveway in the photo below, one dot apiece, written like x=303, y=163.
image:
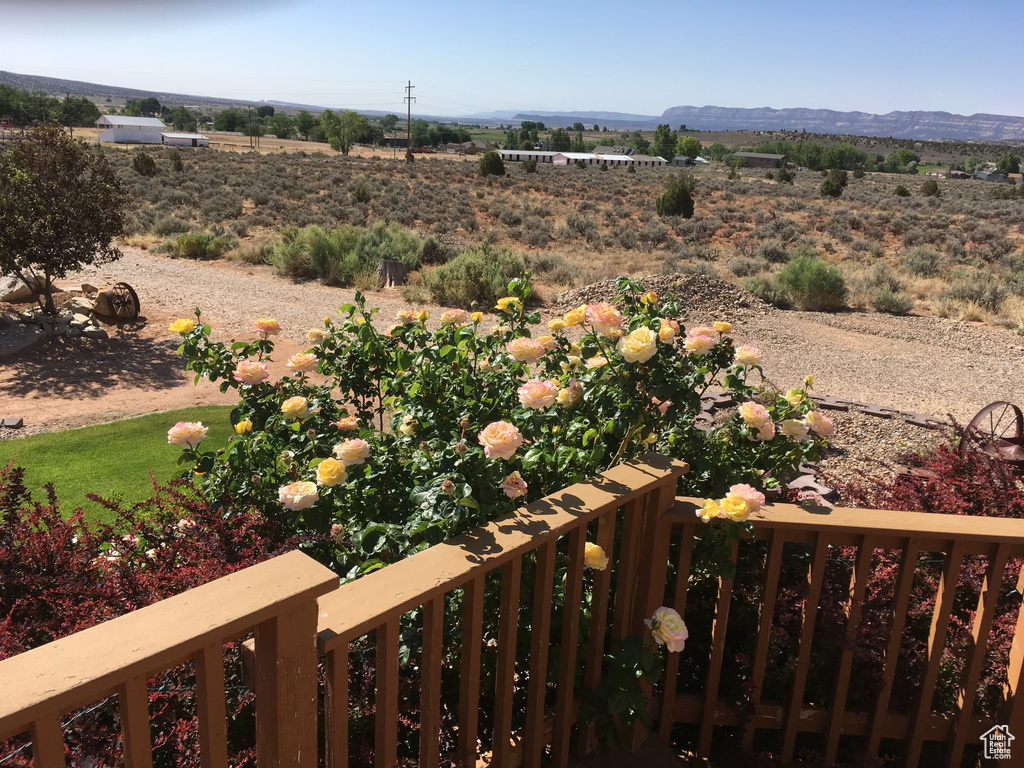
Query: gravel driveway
x=927, y=364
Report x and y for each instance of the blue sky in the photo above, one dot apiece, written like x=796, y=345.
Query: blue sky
x=640, y=57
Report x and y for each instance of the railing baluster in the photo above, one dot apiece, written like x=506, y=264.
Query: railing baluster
x=48, y=743
x=211, y=708
x=504, y=686
x=944, y=597
x=133, y=706
x=469, y=670
x=707, y=719
x=858, y=586
x=679, y=603
x=770, y=586
x=336, y=706
x=600, y=601
x=564, y=701
x=625, y=579
x=900, y=602
x=987, y=600
x=286, y=689
x=386, y=715
x=815, y=577
x=1011, y=710
x=540, y=642
x=430, y=682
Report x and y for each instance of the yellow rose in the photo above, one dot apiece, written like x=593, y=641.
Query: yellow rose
x=296, y=408
x=594, y=557
x=507, y=303
x=182, y=326
x=597, y=361
x=244, y=426
x=421, y=316
x=303, y=362
x=639, y=346
x=793, y=397
x=709, y=510
x=649, y=298
x=808, y=381
x=500, y=440
x=576, y=316
x=570, y=395
x=330, y=472
x=748, y=356
x=408, y=426
x=359, y=320
x=666, y=333
x=267, y=326
x=314, y=335
x=723, y=327
x=556, y=325
x=476, y=317
x=525, y=349
x=735, y=508
x=548, y=342
x=668, y=629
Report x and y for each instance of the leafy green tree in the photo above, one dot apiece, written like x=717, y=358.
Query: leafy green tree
x=231, y=120
x=930, y=188
x=131, y=109
x=388, y=122
x=541, y=126
x=1008, y=163
x=678, y=197
x=717, y=151
x=264, y=110
x=578, y=127
x=664, y=143
x=282, y=126
x=900, y=160
x=577, y=143
x=640, y=144
x=971, y=164
x=528, y=125
x=526, y=143
x=344, y=129
x=560, y=140
x=61, y=206
x=491, y=164
x=596, y=128
x=420, y=130
x=834, y=183
x=183, y=119
x=305, y=122
x=76, y=110
x=845, y=156
x=688, y=146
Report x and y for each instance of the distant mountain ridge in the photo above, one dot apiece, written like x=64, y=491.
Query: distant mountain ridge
x=900, y=125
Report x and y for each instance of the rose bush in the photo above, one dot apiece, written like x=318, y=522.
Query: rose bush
x=441, y=430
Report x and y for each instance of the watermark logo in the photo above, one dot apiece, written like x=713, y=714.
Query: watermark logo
x=997, y=742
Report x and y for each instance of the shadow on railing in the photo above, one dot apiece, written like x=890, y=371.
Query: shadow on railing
x=479, y=648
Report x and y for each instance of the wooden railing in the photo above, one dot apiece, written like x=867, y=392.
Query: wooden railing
x=440, y=630
x=633, y=495
x=275, y=599
x=914, y=536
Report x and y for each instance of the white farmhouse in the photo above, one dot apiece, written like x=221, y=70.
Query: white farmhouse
x=120, y=129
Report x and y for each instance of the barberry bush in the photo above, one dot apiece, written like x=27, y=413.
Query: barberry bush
x=62, y=574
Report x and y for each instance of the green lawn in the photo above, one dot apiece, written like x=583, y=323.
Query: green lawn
x=111, y=460
x=923, y=169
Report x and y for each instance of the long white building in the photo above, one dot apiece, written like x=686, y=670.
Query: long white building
x=121, y=129
x=587, y=158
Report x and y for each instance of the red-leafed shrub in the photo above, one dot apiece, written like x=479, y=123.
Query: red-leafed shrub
x=60, y=576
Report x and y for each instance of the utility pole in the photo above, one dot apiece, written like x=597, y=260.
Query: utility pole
x=409, y=98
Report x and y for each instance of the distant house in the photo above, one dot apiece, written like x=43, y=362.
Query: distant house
x=937, y=173
x=682, y=160
x=990, y=175
x=543, y=146
x=618, y=149
x=184, y=140
x=120, y=129
x=484, y=146
x=959, y=175
x=761, y=160
x=395, y=142
x=460, y=148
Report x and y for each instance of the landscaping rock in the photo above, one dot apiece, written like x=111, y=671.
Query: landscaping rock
x=14, y=290
x=95, y=332
x=90, y=290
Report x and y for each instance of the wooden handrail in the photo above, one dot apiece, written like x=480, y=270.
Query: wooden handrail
x=117, y=656
x=360, y=606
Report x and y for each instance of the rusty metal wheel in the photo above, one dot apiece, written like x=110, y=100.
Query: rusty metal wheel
x=124, y=302
x=993, y=426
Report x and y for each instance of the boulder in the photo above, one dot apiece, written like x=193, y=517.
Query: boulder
x=90, y=290
x=94, y=332
x=14, y=290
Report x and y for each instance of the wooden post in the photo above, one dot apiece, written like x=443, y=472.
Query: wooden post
x=286, y=689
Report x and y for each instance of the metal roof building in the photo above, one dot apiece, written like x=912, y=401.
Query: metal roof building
x=121, y=129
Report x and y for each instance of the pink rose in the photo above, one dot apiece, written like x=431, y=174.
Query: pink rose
x=347, y=424
x=251, y=372
x=187, y=434
x=352, y=452
x=500, y=440
x=303, y=362
x=538, y=394
x=525, y=350
x=820, y=423
x=455, y=317
x=298, y=496
x=754, y=414
x=604, y=317
x=698, y=344
x=266, y=326
x=514, y=486
x=748, y=356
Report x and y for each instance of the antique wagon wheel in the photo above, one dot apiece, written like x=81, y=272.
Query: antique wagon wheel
x=998, y=421
x=124, y=302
